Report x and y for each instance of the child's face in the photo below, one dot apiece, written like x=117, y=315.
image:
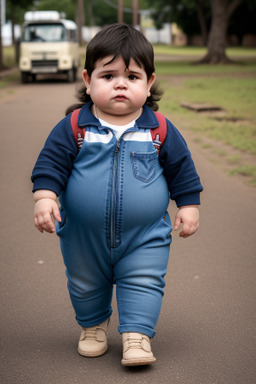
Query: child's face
x=118, y=92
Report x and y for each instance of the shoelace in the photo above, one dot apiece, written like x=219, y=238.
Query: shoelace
x=90, y=333
x=134, y=343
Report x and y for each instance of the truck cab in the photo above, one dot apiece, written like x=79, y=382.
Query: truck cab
x=49, y=45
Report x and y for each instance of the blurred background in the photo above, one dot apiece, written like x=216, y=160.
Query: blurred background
x=171, y=22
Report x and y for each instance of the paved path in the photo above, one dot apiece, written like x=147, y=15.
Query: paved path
x=207, y=330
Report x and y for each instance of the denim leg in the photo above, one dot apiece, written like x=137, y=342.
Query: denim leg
x=139, y=287
x=89, y=274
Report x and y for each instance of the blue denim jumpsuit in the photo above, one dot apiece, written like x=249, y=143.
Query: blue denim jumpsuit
x=115, y=227
x=116, y=230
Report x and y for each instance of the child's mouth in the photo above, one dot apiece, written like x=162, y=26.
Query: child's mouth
x=120, y=98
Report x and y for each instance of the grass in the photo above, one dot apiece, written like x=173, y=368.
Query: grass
x=234, y=159
x=240, y=52
x=235, y=95
x=9, y=57
x=8, y=62
x=231, y=87
x=190, y=68
x=10, y=79
x=221, y=152
x=160, y=49
x=246, y=170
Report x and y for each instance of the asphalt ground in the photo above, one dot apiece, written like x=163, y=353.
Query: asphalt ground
x=206, y=333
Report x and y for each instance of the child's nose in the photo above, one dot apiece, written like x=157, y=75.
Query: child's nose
x=120, y=83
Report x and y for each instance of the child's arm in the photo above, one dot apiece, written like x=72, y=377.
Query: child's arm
x=46, y=208
x=183, y=181
x=55, y=161
x=188, y=217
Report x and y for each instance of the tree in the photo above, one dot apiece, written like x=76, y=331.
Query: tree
x=69, y=7
x=242, y=21
x=202, y=18
x=96, y=12
x=80, y=20
x=1, y=46
x=192, y=16
x=221, y=12
x=14, y=12
x=102, y=12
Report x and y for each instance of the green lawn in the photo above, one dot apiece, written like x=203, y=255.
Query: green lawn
x=9, y=56
x=200, y=51
x=230, y=87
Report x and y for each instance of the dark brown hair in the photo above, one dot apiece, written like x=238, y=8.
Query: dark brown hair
x=120, y=40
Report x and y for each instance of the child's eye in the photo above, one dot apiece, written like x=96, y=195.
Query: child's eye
x=132, y=77
x=108, y=77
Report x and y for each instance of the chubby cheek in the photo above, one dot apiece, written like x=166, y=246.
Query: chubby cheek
x=99, y=96
x=140, y=96
x=90, y=87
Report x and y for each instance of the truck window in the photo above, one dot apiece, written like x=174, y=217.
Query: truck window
x=72, y=33
x=44, y=33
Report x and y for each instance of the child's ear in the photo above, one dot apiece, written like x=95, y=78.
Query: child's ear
x=151, y=82
x=87, y=81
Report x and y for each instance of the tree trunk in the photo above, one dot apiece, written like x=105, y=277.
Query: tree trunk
x=221, y=12
x=1, y=46
x=80, y=20
x=135, y=18
x=120, y=13
x=14, y=41
x=202, y=22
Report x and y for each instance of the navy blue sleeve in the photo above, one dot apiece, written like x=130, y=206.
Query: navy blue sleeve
x=179, y=169
x=54, y=163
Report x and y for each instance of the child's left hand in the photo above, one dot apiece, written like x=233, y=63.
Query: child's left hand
x=188, y=217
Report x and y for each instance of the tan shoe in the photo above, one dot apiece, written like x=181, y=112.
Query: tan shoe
x=93, y=340
x=136, y=349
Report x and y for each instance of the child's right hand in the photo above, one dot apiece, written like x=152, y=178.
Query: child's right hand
x=46, y=208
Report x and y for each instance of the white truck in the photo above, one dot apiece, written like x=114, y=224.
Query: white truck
x=49, y=45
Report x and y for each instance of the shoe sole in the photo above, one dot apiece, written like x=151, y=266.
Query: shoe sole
x=134, y=362
x=92, y=354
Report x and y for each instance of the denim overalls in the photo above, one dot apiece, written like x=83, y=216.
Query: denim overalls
x=115, y=229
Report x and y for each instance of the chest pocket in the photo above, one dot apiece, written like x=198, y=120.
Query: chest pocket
x=144, y=165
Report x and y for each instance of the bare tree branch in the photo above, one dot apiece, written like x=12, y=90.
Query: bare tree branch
x=233, y=6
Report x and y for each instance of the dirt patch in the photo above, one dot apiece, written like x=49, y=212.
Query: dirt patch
x=223, y=156
x=215, y=113
x=10, y=92
x=179, y=79
x=201, y=107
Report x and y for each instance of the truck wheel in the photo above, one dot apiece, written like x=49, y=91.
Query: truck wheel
x=24, y=77
x=70, y=75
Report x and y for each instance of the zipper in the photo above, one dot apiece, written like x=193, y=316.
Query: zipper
x=113, y=229
x=114, y=197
